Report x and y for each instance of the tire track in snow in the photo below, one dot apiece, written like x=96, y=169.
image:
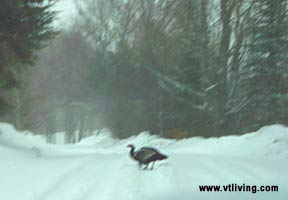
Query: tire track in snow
x=120, y=185
x=136, y=184
x=163, y=179
x=220, y=169
x=73, y=184
x=207, y=169
x=103, y=189
x=129, y=183
x=52, y=185
x=197, y=169
x=256, y=171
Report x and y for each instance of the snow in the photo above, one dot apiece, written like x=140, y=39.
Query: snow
x=99, y=167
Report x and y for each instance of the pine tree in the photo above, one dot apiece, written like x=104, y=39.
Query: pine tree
x=267, y=69
x=25, y=27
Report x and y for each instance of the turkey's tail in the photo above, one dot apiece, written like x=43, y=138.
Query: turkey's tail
x=162, y=157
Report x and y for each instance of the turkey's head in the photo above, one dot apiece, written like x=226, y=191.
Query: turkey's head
x=131, y=146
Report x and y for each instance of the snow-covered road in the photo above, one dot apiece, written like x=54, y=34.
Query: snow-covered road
x=105, y=172
x=116, y=176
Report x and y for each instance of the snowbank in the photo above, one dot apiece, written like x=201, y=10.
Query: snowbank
x=269, y=141
x=11, y=137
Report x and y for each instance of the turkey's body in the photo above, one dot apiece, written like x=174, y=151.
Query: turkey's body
x=146, y=155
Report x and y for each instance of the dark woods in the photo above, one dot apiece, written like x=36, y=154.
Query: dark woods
x=175, y=68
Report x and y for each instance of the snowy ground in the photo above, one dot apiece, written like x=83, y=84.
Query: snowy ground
x=99, y=167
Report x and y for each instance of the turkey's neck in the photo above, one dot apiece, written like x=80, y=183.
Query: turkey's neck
x=132, y=152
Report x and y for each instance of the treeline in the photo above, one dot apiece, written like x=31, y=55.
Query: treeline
x=175, y=68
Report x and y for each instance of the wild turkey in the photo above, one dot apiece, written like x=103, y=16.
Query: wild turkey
x=146, y=155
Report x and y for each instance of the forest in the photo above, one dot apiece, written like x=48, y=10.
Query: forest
x=176, y=68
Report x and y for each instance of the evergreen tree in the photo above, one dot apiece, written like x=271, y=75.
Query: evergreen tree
x=266, y=80
x=25, y=27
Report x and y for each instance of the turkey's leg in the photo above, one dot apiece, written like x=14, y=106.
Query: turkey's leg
x=152, y=165
x=146, y=166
